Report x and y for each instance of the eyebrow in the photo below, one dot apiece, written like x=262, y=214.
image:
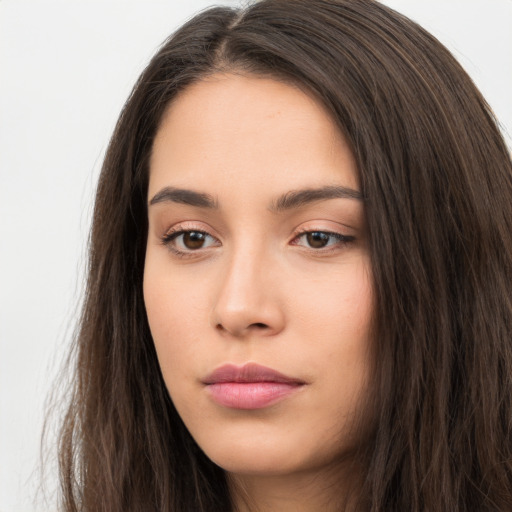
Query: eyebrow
x=288, y=201
x=184, y=196
x=298, y=198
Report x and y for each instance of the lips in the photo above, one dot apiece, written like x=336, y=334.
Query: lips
x=251, y=386
x=250, y=372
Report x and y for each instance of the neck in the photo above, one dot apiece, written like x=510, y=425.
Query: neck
x=300, y=492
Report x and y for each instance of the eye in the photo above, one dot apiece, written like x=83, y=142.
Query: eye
x=190, y=240
x=321, y=239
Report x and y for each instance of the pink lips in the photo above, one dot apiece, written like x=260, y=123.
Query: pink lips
x=249, y=387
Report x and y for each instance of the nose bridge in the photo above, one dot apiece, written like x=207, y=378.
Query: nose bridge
x=245, y=300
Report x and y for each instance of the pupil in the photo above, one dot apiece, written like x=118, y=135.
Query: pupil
x=193, y=240
x=317, y=240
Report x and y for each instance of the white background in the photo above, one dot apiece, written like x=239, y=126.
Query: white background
x=66, y=69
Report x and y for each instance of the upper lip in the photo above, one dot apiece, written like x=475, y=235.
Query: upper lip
x=250, y=372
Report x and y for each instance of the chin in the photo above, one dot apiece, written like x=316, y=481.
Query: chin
x=267, y=455
x=255, y=462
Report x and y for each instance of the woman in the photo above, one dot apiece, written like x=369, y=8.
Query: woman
x=298, y=295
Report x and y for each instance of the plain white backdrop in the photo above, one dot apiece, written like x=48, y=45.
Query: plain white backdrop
x=66, y=69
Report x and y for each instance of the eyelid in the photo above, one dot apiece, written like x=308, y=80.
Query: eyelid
x=189, y=226
x=175, y=233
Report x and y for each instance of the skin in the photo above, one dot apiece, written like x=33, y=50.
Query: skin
x=256, y=290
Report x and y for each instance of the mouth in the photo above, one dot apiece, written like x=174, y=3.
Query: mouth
x=250, y=386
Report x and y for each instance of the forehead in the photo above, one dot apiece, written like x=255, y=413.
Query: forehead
x=242, y=130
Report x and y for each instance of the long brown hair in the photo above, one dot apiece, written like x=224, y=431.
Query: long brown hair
x=437, y=179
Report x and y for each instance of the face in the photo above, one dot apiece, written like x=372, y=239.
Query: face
x=257, y=280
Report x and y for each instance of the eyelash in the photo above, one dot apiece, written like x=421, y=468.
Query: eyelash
x=342, y=240
x=168, y=239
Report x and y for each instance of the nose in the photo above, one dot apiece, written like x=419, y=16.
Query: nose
x=248, y=302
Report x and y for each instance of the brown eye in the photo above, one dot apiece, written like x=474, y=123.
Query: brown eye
x=194, y=239
x=317, y=239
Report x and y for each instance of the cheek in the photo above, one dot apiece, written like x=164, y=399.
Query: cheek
x=335, y=332
x=339, y=306
x=177, y=316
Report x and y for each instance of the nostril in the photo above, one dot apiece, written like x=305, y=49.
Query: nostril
x=259, y=325
x=242, y=330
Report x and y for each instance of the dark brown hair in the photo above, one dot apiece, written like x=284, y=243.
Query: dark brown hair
x=437, y=179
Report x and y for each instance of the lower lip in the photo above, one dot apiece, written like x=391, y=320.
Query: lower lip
x=250, y=395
